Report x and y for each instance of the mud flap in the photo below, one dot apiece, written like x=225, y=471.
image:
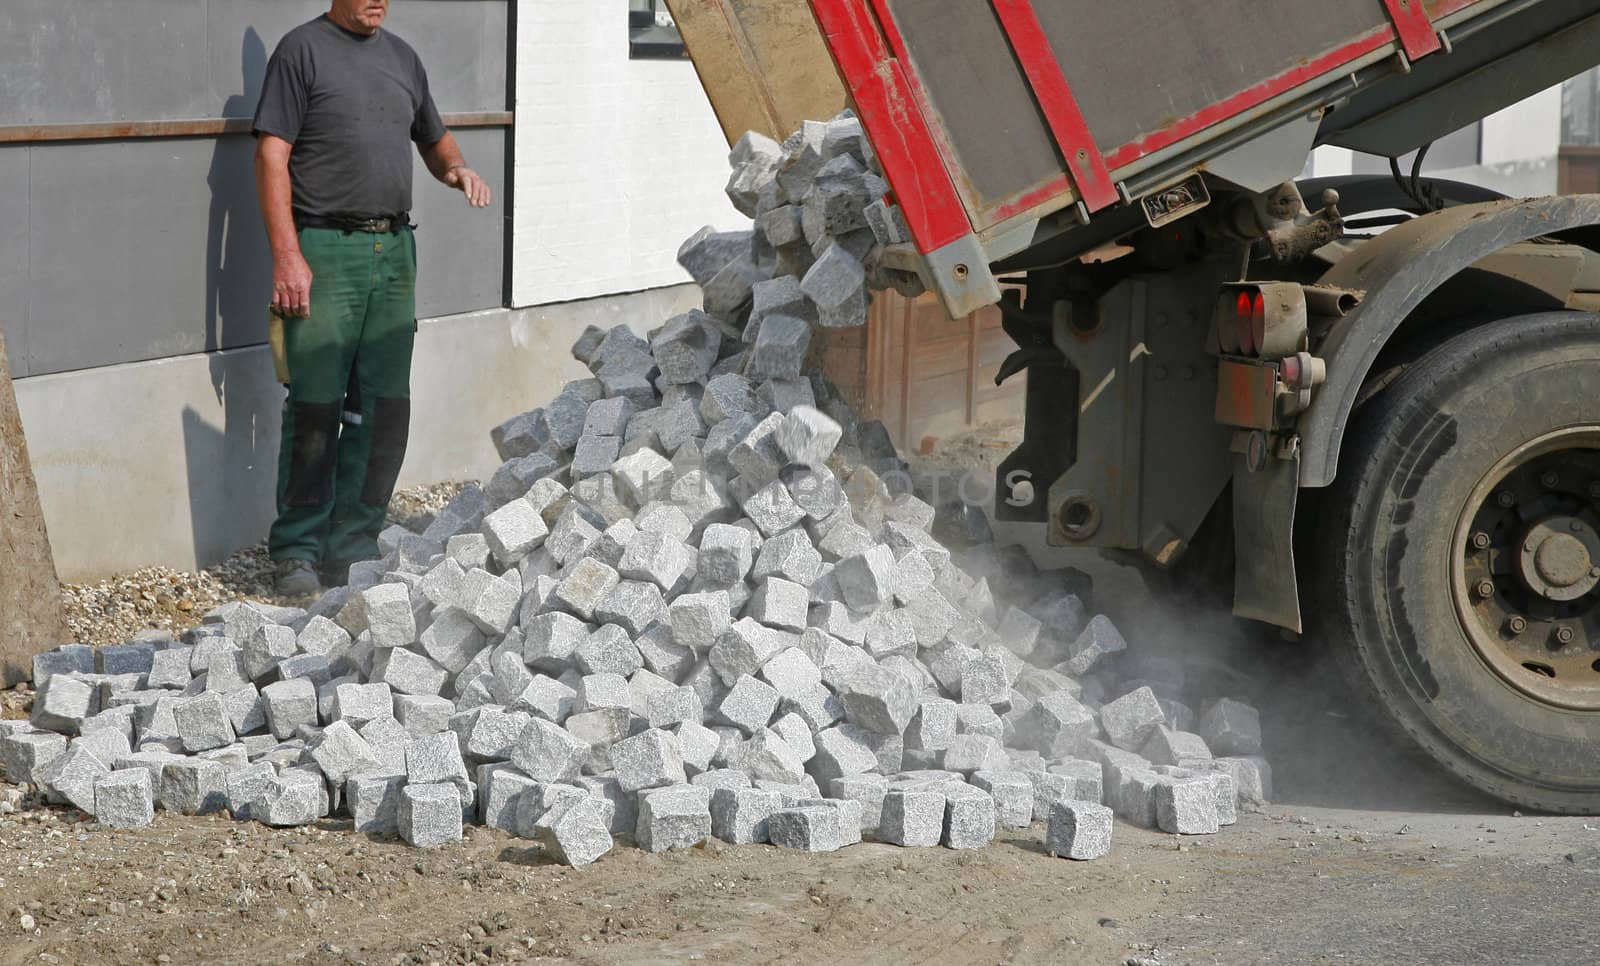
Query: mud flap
x=1265, y=587
x=311, y=458
x=391, y=427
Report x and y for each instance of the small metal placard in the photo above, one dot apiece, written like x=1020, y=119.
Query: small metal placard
x=1174, y=202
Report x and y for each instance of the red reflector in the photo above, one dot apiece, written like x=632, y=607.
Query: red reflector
x=1260, y=305
x=1242, y=307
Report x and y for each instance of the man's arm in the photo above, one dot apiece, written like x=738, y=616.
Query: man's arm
x=291, y=276
x=444, y=161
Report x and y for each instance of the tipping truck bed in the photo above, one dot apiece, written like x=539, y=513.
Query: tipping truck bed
x=1006, y=127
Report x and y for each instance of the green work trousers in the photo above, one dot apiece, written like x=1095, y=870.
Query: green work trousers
x=348, y=413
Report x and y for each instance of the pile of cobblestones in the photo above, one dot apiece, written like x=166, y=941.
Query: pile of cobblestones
x=697, y=599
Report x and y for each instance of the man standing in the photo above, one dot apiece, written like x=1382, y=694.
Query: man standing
x=342, y=103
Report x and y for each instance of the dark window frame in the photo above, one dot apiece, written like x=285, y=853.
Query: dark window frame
x=649, y=41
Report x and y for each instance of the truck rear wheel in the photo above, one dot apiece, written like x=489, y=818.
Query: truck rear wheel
x=1462, y=542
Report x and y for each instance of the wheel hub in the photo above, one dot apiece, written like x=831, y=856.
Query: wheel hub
x=1557, y=560
x=1526, y=562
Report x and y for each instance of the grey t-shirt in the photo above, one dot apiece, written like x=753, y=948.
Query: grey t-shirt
x=351, y=106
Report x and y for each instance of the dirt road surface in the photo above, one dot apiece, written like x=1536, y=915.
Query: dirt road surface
x=1368, y=855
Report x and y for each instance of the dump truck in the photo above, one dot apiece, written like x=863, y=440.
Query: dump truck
x=1368, y=407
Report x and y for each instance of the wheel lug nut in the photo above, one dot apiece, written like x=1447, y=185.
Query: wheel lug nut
x=1516, y=624
x=1506, y=499
x=1564, y=635
x=1485, y=588
x=1480, y=540
x=1548, y=479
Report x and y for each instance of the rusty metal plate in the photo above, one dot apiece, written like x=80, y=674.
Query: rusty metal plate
x=1246, y=395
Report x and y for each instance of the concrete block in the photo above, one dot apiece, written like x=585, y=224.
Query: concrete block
x=772, y=509
x=836, y=284
x=551, y=640
x=71, y=777
x=749, y=704
x=548, y=753
x=595, y=454
x=1079, y=830
x=818, y=707
x=341, y=753
x=1098, y=639
x=866, y=579
x=1252, y=777
x=845, y=749
x=669, y=708
x=407, y=672
x=789, y=555
x=643, y=476
x=657, y=559
x=488, y=733
x=429, y=815
x=1232, y=727
x=66, y=659
x=779, y=349
x=877, y=699
x=912, y=818
x=1186, y=806
x=435, y=758
x=972, y=753
x=516, y=529
x=607, y=417
x=686, y=347
x=1168, y=747
x=244, y=785
x=63, y=703
x=780, y=604
x=969, y=817
x=193, y=786
x=725, y=555
x=293, y=798
x=699, y=746
x=571, y=535
x=584, y=587
x=698, y=619
x=766, y=756
x=1085, y=779
x=422, y=714
x=389, y=616
x=203, y=722
x=124, y=799
x=744, y=648
x=701, y=495
x=576, y=831
x=791, y=672
x=608, y=650
x=739, y=815
x=1012, y=792
x=374, y=803
x=1056, y=725
x=107, y=744
x=1131, y=719
x=675, y=817
x=727, y=397
x=867, y=790
x=808, y=436
x=632, y=605
x=933, y=727
x=813, y=828
x=650, y=759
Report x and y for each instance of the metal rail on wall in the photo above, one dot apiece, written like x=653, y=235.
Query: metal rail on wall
x=191, y=127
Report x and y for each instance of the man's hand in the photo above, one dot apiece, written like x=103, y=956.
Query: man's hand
x=475, y=188
x=291, y=285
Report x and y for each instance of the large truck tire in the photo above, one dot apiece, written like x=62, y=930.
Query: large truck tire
x=1460, y=551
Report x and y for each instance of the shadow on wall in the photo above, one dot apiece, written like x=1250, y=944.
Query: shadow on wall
x=225, y=466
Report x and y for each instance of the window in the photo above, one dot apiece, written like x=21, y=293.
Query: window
x=651, y=33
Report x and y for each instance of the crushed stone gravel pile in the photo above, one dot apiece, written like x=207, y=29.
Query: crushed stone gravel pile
x=697, y=599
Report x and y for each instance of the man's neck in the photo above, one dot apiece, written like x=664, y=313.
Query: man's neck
x=350, y=26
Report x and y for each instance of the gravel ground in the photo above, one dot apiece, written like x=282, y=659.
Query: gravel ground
x=113, y=610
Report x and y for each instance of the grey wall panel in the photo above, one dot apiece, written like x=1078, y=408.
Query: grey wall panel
x=460, y=249
x=67, y=61
x=131, y=253
x=156, y=248
x=102, y=60
x=14, y=255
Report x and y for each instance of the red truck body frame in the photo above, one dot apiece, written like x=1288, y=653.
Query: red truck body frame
x=922, y=164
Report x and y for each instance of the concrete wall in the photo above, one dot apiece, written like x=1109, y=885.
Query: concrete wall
x=171, y=462
x=617, y=160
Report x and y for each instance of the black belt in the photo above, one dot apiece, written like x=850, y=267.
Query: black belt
x=372, y=226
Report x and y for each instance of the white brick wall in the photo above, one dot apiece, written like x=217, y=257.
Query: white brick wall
x=617, y=160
